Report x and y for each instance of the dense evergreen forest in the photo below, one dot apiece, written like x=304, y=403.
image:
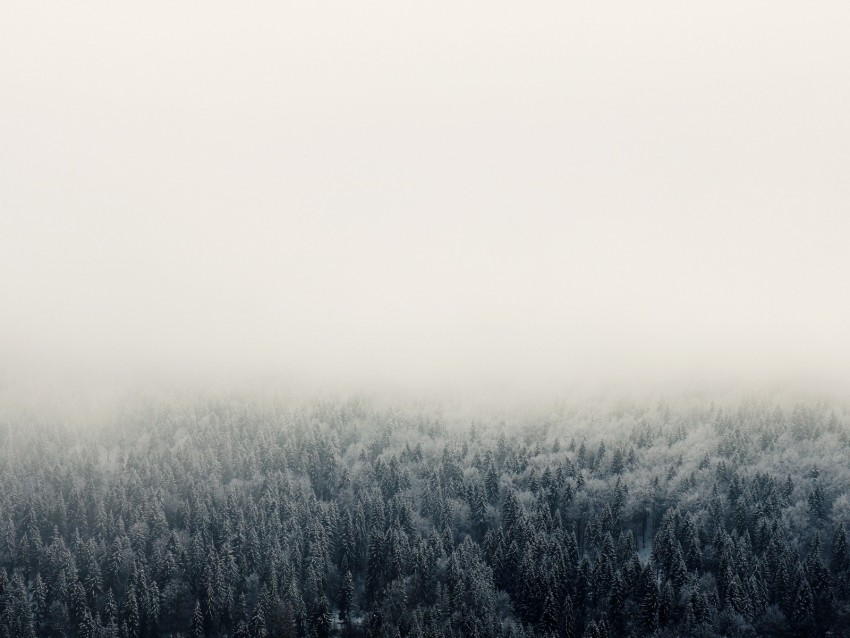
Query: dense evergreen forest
x=351, y=517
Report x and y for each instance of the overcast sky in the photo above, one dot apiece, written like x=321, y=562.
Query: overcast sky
x=426, y=192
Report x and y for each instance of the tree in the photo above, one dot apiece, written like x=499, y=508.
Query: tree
x=817, y=502
x=88, y=627
x=197, y=628
x=618, y=463
x=666, y=604
x=322, y=618
x=242, y=520
x=804, y=610
x=375, y=566
x=258, y=623
x=346, y=595
x=549, y=619
x=840, y=562
x=131, y=614
x=649, y=601
x=568, y=624
x=478, y=511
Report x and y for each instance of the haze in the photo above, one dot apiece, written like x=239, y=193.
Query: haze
x=425, y=193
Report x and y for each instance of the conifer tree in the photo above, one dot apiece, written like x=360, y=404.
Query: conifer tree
x=346, y=596
x=649, y=601
x=197, y=629
x=840, y=561
x=569, y=624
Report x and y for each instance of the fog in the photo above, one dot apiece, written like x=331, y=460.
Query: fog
x=441, y=194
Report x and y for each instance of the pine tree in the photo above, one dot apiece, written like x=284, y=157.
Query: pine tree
x=820, y=580
x=649, y=601
x=375, y=566
x=511, y=513
x=583, y=588
x=618, y=464
x=738, y=599
x=39, y=596
x=803, y=610
x=787, y=489
x=258, y=622
x=491, y=484
x=322, y=618
x=569, y=627
x=131, y=615
x=616, y=601
x=87, y=627
x=110, y=614
x=478, y=511
x=678, y=571
x=549, y=619
x=839, y=564
x=346, y=595
x=666, y=604
x=241, y=630
x=197, y=628
x=697, y=607
x=346, y=544
x=817, y=502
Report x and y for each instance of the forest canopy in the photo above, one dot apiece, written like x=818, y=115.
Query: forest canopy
x=235, y=516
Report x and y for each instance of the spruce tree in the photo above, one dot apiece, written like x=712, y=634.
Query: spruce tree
x=346, y=595
x=803, y=611
x=196, y=630
x=839, y=563
x=569, y=628
x=649, y=602
x=549, y=619
x=321, y=618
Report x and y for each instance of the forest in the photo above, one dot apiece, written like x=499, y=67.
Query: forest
x=244, y=516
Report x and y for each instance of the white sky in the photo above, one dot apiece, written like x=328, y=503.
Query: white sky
x=426, y=191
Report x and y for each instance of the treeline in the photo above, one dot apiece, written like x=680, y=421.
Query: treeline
x=248, y=518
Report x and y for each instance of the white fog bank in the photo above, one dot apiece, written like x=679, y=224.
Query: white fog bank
x=446, y=195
